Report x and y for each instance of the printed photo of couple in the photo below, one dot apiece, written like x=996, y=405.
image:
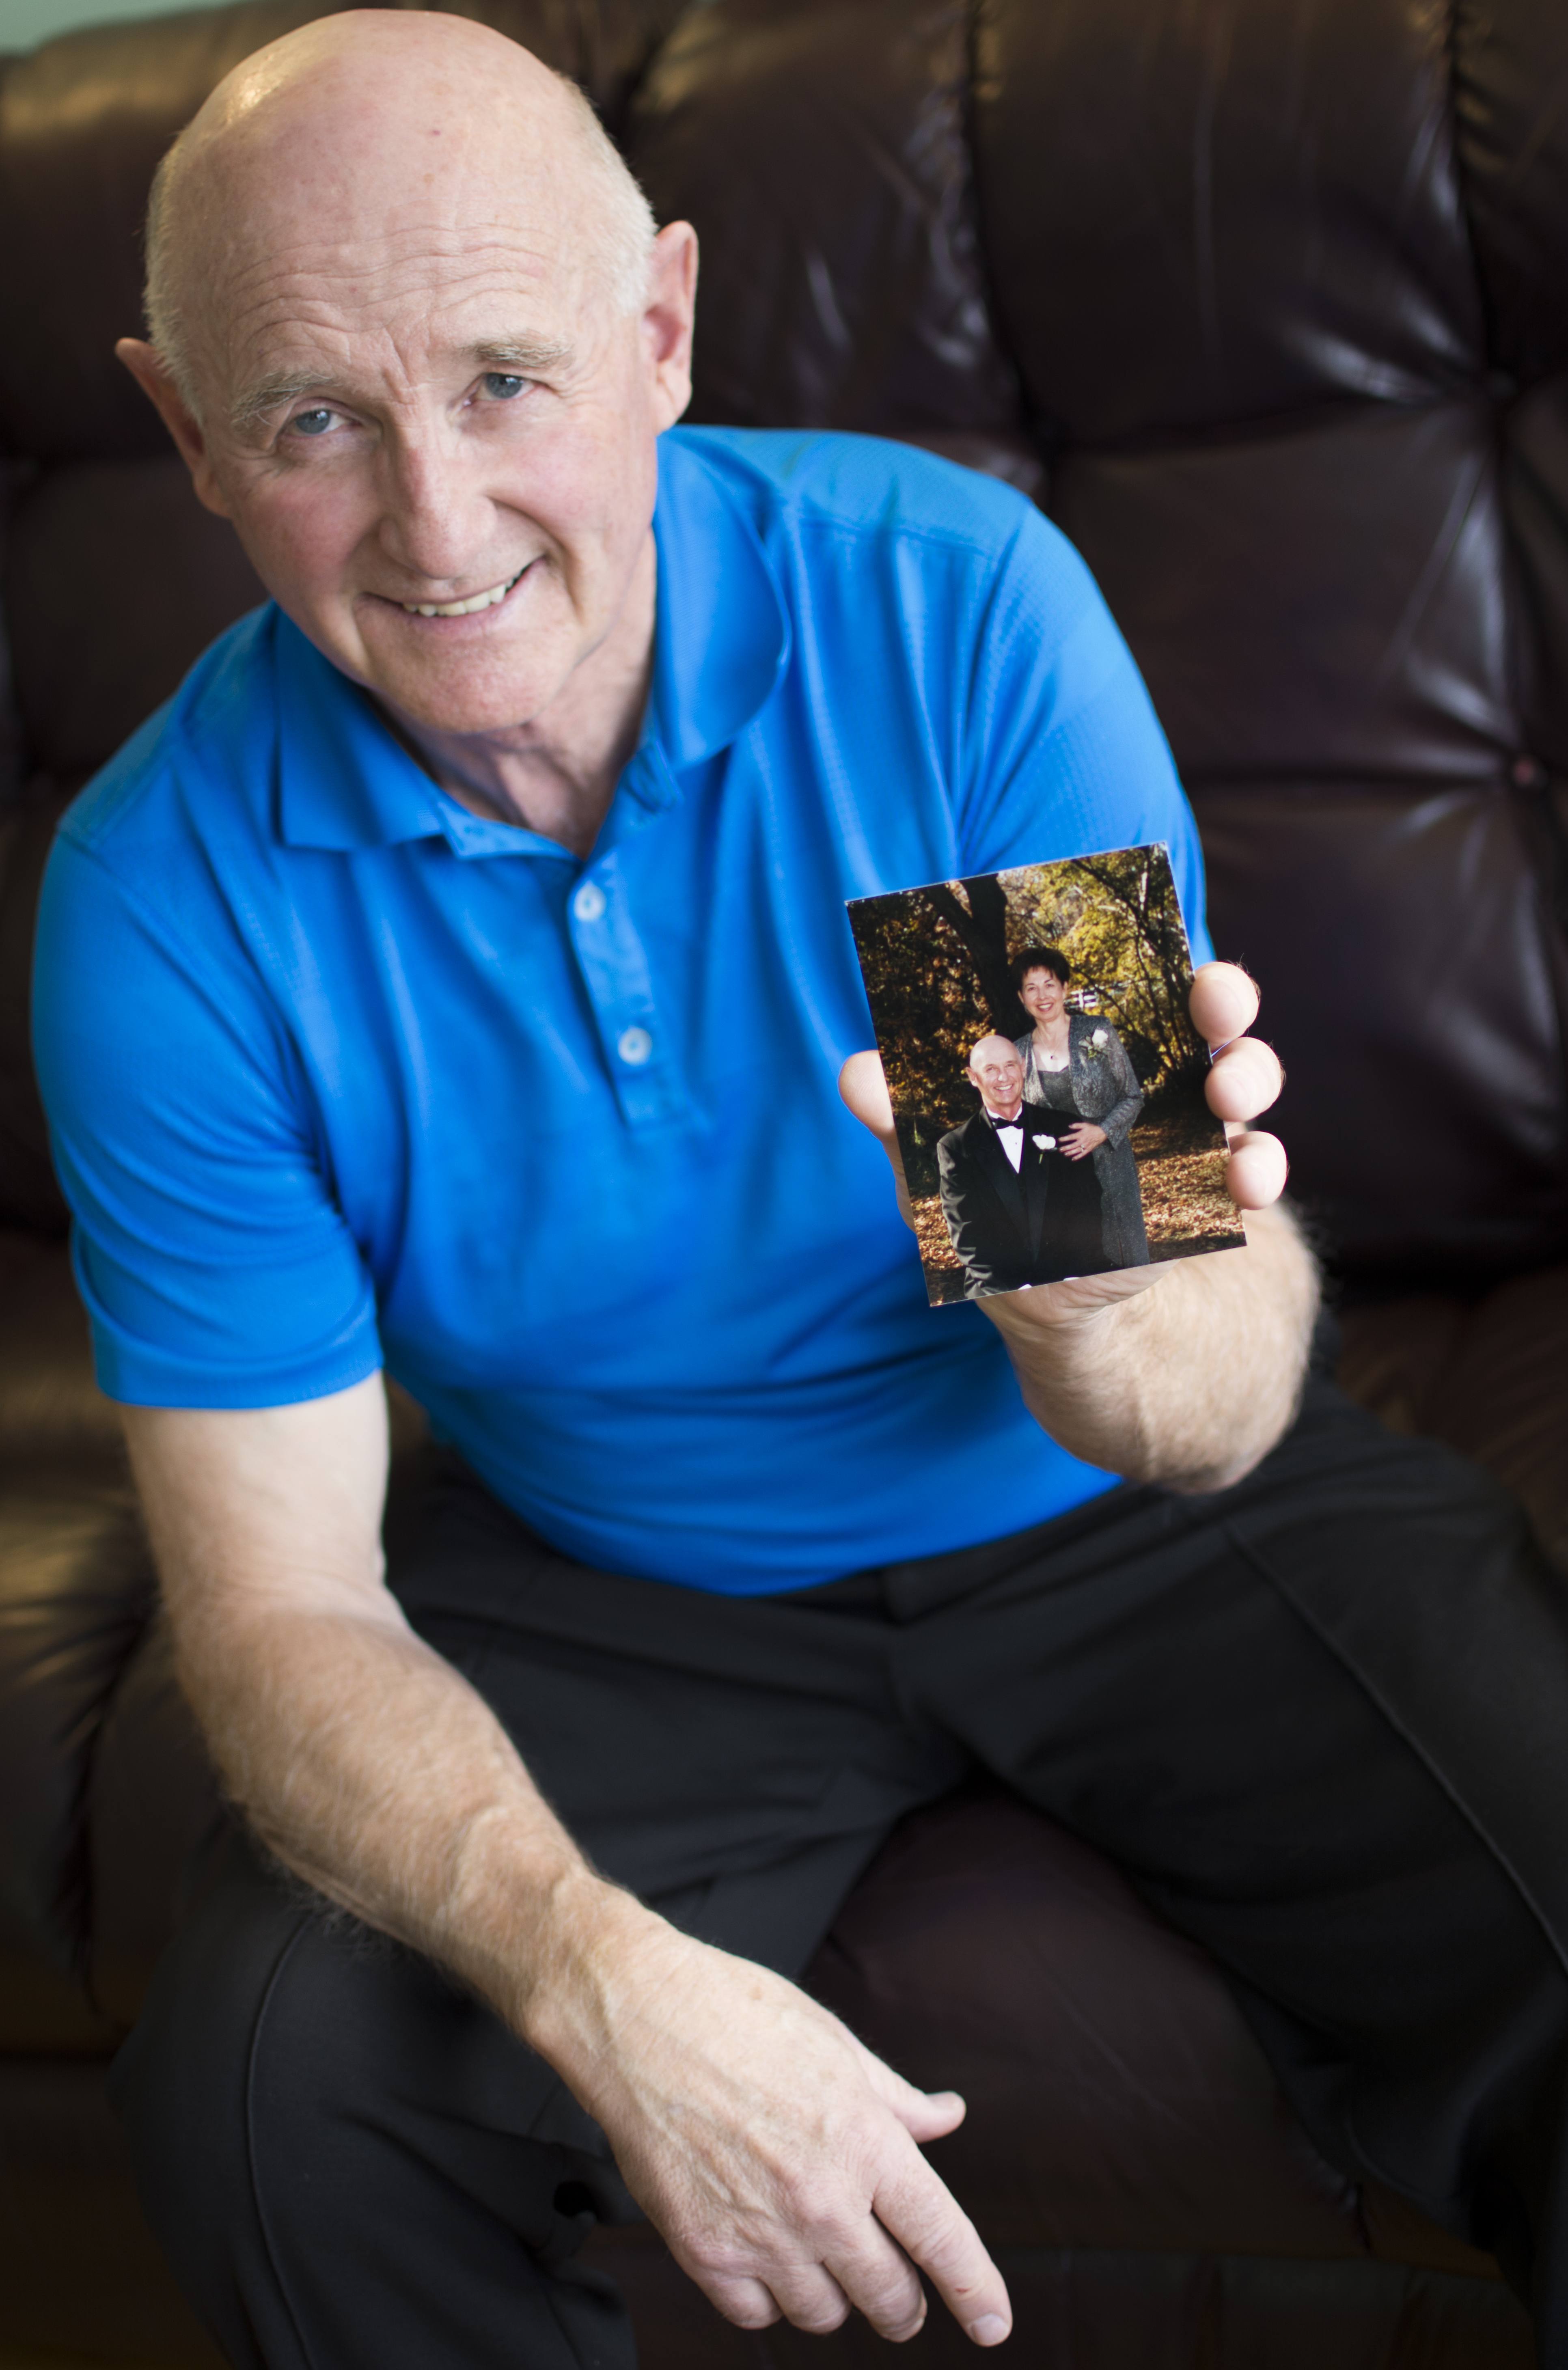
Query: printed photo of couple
x=1046, y=1080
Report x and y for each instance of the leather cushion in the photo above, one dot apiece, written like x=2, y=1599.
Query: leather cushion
x=75, y=1587
x=846, y=289
x=1320, y=599
x=53, y=1418
x=1510, y=65
x=1409, y=985
x=28, y=1193
x=1489, y=1375
x=84, y=690
x=1207, y=215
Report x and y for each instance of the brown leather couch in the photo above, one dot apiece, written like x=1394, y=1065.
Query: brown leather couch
x=1267, y=302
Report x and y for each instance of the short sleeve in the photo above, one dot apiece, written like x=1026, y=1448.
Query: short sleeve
x=1065, y=755
x=216, y=1269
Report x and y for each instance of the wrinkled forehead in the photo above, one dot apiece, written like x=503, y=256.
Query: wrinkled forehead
x=994, y=1052
x=397, y=301
x=312, y=230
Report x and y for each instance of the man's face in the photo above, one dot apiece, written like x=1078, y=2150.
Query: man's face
x=997, y=1073
x=413, y=402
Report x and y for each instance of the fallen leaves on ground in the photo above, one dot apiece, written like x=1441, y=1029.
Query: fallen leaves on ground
x=944, y=1277
x=1184, y=1200
x=1185, y=1206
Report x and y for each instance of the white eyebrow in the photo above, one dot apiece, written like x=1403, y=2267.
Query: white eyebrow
x=526, y=355
x=271, y=394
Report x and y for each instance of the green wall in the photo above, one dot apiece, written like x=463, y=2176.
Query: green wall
x=24, y=23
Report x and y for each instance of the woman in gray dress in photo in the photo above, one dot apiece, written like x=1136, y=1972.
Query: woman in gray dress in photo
x=1076, y=1066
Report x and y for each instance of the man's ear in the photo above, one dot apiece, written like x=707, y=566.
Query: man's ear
x=147, y=367
x=667, y=318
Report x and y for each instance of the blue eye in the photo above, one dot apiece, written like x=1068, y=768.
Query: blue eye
x=312, y=423
x=503, y=385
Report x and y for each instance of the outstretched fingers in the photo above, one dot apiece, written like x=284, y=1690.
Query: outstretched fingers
x=1244, y=1081
x=934, y=2231
x=1244, y=1078
x=818, y=2268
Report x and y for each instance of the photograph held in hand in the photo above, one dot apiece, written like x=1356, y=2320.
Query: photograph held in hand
x=1046, y=1078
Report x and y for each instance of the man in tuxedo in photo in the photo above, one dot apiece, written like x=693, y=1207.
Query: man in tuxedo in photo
x=995, y=1179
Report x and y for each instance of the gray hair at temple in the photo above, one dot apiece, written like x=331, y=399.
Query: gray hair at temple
x=620, y=232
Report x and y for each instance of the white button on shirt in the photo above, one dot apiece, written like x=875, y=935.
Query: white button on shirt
x=589, y=903
x=634, y=1045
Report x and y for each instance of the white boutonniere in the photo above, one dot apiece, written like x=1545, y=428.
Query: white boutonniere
x=1043, y=1142
x=1098, y=1037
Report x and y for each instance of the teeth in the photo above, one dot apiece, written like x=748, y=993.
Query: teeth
x=462, y=608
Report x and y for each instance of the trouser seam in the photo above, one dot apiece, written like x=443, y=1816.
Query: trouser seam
x=1255, y=1556
x=1439, y=2208
x=270, y=2251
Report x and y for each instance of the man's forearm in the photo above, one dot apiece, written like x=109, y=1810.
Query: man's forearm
x=371, y=1768
x=361, y=1757
x=1189, y=1382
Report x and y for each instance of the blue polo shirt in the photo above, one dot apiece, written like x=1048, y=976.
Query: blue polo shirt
x=340, y=1074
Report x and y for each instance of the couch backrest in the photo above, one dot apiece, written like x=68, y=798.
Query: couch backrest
x=1267, y=302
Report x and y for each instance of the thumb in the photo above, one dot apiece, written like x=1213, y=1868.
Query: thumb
x=925, y=2115
x=863, y=1089
x=931, y=2115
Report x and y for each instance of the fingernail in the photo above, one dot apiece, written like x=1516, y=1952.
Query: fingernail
x=989, y=2329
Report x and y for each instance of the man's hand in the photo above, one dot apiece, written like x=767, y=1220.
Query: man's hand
x=1244, y=1079
x=778, y=2156
x=1192, y=1383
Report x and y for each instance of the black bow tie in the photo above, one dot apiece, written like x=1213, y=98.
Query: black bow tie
x=999, y=1124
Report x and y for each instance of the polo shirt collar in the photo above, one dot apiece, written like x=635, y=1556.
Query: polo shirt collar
x=721, y=643
x=344, y=780
x=723, y=640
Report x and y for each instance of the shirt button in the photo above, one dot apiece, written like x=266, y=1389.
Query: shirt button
x=634, y=1045
x=589, y=903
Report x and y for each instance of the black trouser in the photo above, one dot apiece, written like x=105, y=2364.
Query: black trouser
x=1321, y=1719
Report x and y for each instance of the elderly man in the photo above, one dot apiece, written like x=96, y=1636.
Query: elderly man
x=455, y=977
x=1012, y=1213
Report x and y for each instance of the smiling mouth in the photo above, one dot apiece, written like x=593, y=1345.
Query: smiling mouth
x=464, y=608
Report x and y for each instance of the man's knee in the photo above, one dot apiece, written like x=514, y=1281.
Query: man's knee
x=300, y=2091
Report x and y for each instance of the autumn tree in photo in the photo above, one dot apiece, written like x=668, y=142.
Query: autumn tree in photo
x=936, y=961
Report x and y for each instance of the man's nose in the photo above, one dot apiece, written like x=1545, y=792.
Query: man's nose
x=436, y=517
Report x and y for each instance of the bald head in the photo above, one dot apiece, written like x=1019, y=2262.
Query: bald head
x=402, y=125
x=996, y=1072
